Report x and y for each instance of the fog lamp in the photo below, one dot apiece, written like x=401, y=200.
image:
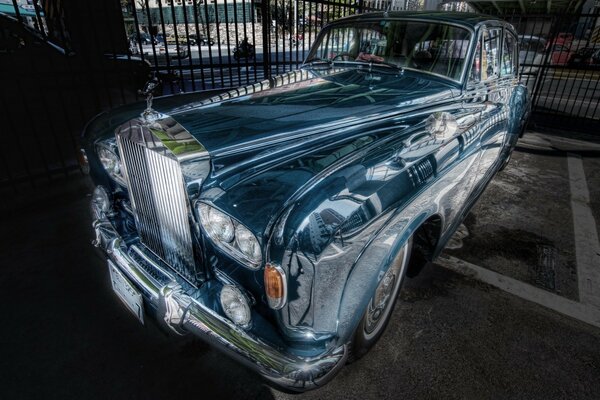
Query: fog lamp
x=275, y=286
x=235, y=305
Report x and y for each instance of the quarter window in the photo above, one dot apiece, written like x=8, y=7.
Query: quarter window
x=490, y=54
x=486, y=60
x=475, y=75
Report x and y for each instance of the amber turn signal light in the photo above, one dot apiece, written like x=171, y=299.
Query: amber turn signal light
x=275, y=285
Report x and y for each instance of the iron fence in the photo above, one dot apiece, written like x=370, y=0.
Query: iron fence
x=560, y=63
x=69, y=63
x=228, y=43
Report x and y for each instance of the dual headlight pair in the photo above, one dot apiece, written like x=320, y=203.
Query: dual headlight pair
x=239, y=242
x=226, y=233
x=230, y=235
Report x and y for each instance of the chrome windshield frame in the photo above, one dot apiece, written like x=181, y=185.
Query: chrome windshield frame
x=468, y=57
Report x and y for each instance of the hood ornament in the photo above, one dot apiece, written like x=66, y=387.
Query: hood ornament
x=149, y=115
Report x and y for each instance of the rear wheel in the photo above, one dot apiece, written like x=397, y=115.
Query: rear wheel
x=379, y=309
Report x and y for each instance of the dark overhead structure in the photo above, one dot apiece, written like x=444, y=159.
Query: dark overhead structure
x=527, y=6
x=71, y=59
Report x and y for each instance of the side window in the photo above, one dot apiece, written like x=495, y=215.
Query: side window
x=475, y=75
x=509, y=59
x=490, y=54
x=486, y=62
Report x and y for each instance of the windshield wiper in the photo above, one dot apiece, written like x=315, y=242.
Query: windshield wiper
x=361, y=64
x=369, y=66
x=318, y=62
x=380, y=64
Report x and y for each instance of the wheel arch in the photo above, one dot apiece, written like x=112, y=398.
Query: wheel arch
x=374, y=262
x=425, y=243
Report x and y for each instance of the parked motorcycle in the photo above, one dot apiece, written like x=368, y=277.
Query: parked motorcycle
x=244, y=49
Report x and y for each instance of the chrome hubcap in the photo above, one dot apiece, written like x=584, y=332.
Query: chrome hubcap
x=380, y=305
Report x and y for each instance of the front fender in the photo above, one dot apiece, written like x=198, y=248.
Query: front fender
x=370, y=269
x=329, y=288
x=320, y=237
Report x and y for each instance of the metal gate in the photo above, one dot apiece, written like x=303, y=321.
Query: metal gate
x=71, y=59
x=560, y=63
x=226, y=43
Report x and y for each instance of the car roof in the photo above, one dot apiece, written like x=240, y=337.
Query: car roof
x=470, y=20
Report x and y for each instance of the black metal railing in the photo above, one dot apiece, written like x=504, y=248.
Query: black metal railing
x=242, y=40
x=69, y=64
x=557, y=64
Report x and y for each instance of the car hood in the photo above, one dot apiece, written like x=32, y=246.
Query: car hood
x=300, y=104
x=258, y=140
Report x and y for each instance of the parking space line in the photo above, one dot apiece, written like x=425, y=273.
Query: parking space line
x=584, y=312
x=587, y=246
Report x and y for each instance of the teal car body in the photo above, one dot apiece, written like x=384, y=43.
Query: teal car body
x=322, y=176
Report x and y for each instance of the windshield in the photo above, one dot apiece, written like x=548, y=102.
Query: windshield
x=427, y=46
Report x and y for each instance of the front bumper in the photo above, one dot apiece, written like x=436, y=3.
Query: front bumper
x=182, y=313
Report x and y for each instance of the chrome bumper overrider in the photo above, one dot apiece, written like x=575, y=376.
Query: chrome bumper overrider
x=182, y=314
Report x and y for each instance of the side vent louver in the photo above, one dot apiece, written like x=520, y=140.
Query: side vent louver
x=421, y=171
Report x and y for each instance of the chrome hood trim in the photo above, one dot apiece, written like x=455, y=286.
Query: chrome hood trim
x=165, y=136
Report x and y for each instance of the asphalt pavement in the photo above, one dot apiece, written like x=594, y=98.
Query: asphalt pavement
x=67, y=336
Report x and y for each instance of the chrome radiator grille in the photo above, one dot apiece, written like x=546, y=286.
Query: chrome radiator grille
x=160, y=204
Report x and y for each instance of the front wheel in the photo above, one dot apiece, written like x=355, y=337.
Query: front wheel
x=379, y=309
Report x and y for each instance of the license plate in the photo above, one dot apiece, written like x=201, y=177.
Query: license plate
x=128, y=294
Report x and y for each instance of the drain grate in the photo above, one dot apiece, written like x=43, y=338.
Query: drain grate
x=544, y=273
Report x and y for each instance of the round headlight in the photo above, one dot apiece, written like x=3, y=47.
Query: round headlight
x=100, y=202
x=109, y=161
x=235, y=305
x=248, y=244
x=218, y=225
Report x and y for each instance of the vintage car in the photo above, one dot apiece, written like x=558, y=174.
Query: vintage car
x=277, y=221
